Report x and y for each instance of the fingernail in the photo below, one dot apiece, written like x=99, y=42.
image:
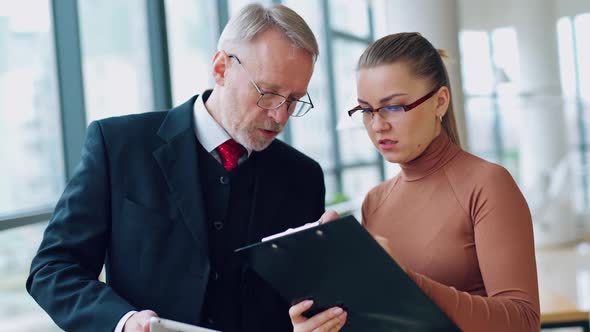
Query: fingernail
x=307, y=303
x=337, y=311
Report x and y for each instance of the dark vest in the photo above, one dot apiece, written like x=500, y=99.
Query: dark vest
x=228, y=201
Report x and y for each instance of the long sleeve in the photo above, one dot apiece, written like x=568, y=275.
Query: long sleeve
x=462, y=230
x=505, y=251
x=64, y=273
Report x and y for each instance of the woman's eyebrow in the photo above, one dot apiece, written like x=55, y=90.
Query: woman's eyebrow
x=382, y=100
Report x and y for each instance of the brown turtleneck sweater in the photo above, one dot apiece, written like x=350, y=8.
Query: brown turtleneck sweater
x=461, y=228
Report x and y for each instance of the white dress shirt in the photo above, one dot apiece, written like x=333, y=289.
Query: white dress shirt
x=210, y=133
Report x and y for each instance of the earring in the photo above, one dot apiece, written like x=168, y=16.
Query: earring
x=440, y=118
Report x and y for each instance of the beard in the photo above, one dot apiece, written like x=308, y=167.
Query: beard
x=250, y=137
x=243, y=124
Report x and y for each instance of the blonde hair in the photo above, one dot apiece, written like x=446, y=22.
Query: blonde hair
x=255, y=19
x=417, y=51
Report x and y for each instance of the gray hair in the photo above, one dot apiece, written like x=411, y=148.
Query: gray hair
x=255, y=19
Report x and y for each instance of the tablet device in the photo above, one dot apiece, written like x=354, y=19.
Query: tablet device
x=158, y=324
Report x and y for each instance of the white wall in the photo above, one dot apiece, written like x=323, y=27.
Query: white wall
x=571, y=7
x=484, y=14
x=490, y=14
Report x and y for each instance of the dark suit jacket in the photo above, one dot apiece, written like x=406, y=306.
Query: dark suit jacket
x=135, y=205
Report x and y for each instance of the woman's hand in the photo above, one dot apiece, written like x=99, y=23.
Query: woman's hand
x=328, y=216
x=330, y=320
x=384, y=243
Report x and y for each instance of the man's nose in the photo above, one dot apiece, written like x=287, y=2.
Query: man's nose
x=281, y=113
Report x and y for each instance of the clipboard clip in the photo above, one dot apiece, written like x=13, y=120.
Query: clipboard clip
x=295, y=230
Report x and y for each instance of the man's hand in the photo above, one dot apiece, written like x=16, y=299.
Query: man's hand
x=330, y=320
x=139, y=321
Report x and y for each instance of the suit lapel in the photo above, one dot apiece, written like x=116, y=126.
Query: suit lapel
x=178, y=161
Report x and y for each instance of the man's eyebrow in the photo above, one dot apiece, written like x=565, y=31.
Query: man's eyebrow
x=275, y=87
x=269, y=85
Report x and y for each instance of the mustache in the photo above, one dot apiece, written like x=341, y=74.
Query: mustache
x=273, y=126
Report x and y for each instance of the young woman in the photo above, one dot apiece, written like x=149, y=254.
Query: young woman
x=457, y=224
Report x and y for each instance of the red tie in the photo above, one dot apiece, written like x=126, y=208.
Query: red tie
x=230, y=151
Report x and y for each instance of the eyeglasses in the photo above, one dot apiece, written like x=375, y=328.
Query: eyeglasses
x=389, y=112
x=270, y=100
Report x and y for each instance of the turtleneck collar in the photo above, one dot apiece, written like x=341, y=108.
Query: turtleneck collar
x=440, y=151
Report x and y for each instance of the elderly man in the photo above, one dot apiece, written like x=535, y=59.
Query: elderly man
x=162, y=199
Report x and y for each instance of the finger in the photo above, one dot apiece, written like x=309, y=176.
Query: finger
x=384, y=242
x=329, y=216
x=321, y=318
x=150, y=313
x=379, y=240
x=331, y=325
x=378, y=237
x=144, y=319
x=296, y=311
x=340, y=324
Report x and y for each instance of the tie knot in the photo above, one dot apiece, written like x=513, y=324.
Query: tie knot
x=230, y=152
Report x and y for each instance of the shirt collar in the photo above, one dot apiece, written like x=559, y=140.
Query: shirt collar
x=209, y=133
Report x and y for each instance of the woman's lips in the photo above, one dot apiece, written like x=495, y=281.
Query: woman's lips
x=387, y=144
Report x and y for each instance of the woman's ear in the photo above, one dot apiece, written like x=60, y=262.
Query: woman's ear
x=443, y=99
x=220, y=60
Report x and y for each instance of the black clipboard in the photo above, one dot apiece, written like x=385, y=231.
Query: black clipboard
x=340, y=264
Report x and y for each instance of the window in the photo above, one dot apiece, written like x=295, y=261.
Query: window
x=115, y=58
x=191, y=43
x=31, y=156
x=333, y=90
x=236, y=5
x=355, y=144
x=350, y=17
x=575, y=82
x=582, y=26
x=317, y=121
x=476, y=63
x=360, y=166
x=491, y=72
x=18, y=311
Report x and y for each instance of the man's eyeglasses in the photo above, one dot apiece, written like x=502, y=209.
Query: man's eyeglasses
x=389, y=112
x=270, y=100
